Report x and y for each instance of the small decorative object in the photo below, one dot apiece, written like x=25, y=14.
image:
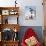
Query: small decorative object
x=0, y=12
x=6, y=21
x=13, y=12
x=30, y=12
x=16, y=36
x=15, y=30
x=15, y=3
x=7, y=34
x=5, y=12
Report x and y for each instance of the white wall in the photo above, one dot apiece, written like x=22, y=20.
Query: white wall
x=39, y=13
x=22, y=3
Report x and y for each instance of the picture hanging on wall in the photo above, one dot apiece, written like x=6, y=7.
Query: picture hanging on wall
x=30, y=12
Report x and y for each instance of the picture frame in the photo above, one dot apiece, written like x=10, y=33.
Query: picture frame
x=30, y=12
x=5, y=12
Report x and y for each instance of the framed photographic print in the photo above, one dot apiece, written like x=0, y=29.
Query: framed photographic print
x=5, y=12
x=30, y=12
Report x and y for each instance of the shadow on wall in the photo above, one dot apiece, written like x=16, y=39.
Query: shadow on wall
x=37, y=29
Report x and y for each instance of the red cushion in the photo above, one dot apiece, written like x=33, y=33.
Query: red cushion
x=29, y=33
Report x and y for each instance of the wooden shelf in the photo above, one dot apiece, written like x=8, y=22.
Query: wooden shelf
x=10, y=26
x=10, y=43
x=4, y=24
x=5, y=8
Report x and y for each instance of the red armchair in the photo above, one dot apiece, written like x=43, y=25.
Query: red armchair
x=30, y=34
